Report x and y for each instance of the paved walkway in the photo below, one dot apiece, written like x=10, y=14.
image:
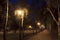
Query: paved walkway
x=41, y=36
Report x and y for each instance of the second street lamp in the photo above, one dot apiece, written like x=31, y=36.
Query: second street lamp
x=38, y=23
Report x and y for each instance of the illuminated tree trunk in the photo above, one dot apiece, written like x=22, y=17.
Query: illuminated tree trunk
x=53, y=6
x=4, y=8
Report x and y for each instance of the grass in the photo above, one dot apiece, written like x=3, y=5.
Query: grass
x=15, y=36
x=10, y=36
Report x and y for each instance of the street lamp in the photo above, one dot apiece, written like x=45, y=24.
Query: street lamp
x=30, y=26
x=38, y=23
x=20, y=14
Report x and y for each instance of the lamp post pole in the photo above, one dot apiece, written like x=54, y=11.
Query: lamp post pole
x=21, y=33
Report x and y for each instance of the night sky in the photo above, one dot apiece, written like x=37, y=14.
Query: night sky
x=38, y=4
x=13, y=1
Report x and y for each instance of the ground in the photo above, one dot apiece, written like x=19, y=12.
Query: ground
x=29, y=35
x=41, y=36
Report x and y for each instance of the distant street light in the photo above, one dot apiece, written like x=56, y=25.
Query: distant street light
x=38, y=23
x=20, y=14
x=30, y=26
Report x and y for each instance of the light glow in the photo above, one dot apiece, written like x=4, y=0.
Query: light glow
x=38, y=23
x=30, y=26
x=19, y=12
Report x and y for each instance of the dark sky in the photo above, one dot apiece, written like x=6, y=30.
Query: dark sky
x=28, y=2
x=39, y=3
x=13, y=1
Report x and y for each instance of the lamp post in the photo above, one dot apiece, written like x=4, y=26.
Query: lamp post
x=38, y=24
x=20, y=14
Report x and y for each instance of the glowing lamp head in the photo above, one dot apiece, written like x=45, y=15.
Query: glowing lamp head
x=19, y=12
x=38, y=23
x=30, y=26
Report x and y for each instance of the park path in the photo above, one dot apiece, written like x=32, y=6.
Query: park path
x=44, y=35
